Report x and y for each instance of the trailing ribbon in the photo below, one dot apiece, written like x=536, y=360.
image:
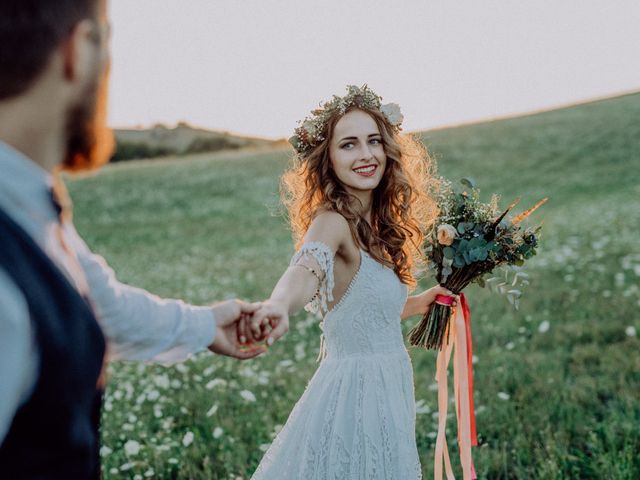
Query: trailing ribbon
x=458, y=336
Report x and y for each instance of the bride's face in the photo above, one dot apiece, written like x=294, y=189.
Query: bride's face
x=357, y=153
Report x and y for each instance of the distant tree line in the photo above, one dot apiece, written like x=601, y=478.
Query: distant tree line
x=139, y=150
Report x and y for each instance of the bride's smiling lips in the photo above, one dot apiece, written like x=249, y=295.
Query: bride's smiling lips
x=366, y=170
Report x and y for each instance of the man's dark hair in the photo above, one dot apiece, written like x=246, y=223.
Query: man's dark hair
x=30, y=30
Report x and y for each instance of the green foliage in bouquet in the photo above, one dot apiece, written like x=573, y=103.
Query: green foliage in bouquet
x=470, y=239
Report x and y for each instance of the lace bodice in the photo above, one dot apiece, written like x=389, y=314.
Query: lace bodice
x=366, y=320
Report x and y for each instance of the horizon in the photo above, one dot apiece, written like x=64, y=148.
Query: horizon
x=255, y=70
x=420, y=130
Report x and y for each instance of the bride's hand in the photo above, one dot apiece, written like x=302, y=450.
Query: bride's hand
x=271, y=320
x=429, y=296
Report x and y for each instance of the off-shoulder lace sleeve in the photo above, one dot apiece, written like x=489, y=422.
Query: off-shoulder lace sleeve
x=319, y=257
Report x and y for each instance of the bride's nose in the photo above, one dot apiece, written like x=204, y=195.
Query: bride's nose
x=366, y=154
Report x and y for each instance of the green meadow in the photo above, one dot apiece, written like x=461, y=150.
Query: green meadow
x=557, y=382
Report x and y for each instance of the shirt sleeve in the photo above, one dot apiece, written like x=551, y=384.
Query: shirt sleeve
x=139, y=325
x=18, y=353
x=318, y=257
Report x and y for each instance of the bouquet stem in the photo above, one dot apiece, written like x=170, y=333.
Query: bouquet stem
x=433, y=330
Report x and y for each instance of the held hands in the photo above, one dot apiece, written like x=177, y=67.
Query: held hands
x=229, y=315
x=270, y=320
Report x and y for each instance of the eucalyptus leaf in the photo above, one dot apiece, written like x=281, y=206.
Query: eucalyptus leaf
x=468, y=182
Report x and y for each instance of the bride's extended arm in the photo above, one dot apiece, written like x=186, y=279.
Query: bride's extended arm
x=308, y=278
x=420, y=304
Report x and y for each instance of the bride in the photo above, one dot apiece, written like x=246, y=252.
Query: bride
x=357, y=205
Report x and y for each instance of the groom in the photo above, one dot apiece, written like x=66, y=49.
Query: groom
x=61, y=308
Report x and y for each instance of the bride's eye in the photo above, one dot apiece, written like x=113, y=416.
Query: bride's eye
x=347, y=145
x=375, y=141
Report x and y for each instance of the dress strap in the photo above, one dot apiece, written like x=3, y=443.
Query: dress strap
x=319, y=259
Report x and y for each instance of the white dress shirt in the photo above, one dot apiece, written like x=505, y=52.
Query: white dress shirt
x=136, y=324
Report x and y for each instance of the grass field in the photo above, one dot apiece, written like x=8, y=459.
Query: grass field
x=556, y=382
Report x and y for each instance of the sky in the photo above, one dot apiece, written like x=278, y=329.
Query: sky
x=256, y=67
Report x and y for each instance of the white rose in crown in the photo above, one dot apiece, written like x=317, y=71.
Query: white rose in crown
x=393, y=113
x=446, y=234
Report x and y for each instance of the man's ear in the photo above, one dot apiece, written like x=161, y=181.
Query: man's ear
x=79, y=51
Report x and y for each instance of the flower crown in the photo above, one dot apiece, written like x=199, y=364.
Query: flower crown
x=311, y=130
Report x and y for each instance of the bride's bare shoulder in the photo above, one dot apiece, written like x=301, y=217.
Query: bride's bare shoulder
x=332, y=228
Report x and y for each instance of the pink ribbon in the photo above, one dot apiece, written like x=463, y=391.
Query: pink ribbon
x=460, y=329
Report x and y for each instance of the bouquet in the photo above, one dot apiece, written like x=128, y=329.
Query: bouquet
x=468, y=240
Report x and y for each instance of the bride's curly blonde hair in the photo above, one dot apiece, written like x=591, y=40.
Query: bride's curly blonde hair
x=402, y=210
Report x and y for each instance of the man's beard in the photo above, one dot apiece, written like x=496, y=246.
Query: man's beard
x=90, y=143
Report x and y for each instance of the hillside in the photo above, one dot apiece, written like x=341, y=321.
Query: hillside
x=182, y=139
x=556, y=382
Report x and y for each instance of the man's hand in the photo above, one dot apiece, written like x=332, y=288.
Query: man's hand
x=227, y=315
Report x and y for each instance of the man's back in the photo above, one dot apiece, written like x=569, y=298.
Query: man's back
x=54, y=434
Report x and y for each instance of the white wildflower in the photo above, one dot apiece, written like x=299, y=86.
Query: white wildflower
x=182, y=368
x=132, y=447
x=215, y=383
x=161, y=381
x=212, y=410
x=187, y=439
x=544, y=326
x=247, y=372
x=217, y=432
x=248, y=396
x=421, y=408
x=504, y=396
x=630, y=331
x=263, y=377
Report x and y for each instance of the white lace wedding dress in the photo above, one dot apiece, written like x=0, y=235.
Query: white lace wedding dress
x=356, y=418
